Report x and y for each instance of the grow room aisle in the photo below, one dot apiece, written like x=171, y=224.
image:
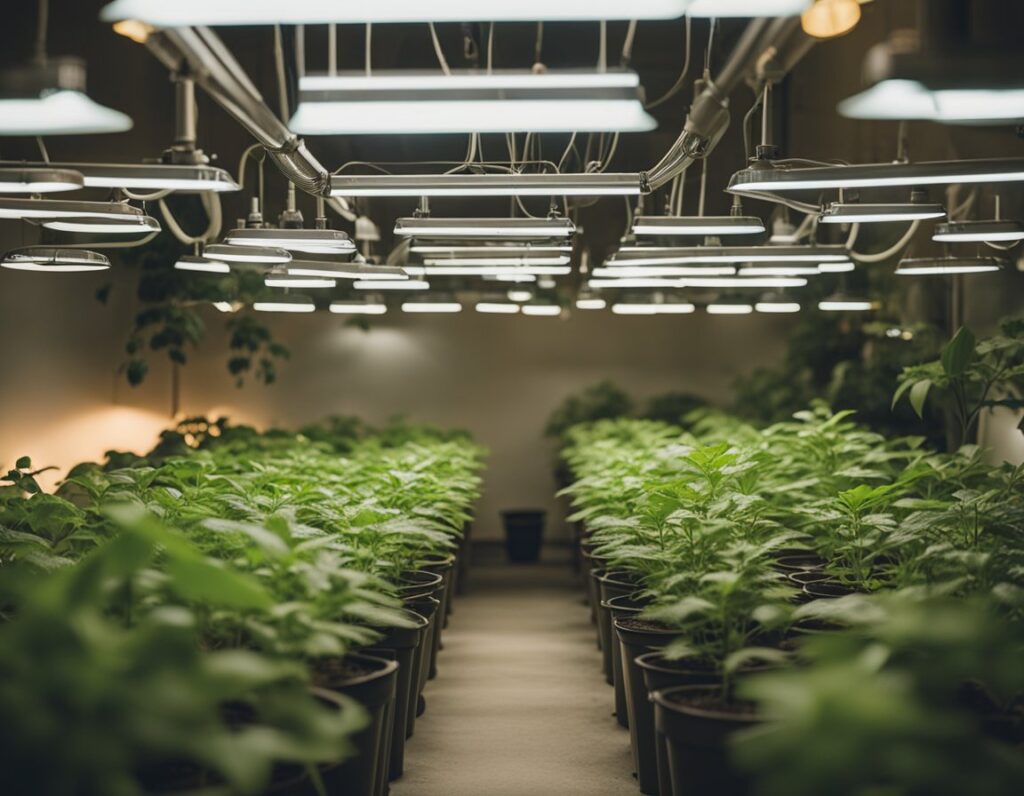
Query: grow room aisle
x=519, y=707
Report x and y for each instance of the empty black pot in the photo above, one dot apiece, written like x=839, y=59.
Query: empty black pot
x=524, y=532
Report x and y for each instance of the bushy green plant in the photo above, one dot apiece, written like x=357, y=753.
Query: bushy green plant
x=599, y=401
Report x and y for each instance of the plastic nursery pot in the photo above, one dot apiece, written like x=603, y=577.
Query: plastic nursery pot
x=659, y=674
x=464, y=554
x=593, y=596
x=611, y=584
x=697, y=726
x=372, y=682
x=635, y=637
x=443, y=565
x=400, y=644
x=604, y=624
x=623, y=605
x=426, y=606
x=524, y=532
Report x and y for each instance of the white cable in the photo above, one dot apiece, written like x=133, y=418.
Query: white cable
x=211, y=203
x=369, y=47
x=602, y=51
x=894, y=249
x=332, y=49
x=437, y=49
x=146, y=197
x=282, y=92
x=627, y=44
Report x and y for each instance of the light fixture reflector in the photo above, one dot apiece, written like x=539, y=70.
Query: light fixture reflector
x=587, y=184
x=50, y=259
x=944, y=266
x=39, y=179
x=995, y=230
x=429, y=228
x=666, y=226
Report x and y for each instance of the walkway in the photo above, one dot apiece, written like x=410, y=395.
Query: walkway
x=520, y=707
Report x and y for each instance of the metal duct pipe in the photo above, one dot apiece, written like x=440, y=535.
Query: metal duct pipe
x=201, y=55
x=708, y=118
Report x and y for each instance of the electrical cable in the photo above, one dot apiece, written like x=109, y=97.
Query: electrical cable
x=282, y=91
x=627, y=44
x=602, y=48
x=438, y=51
x=146, y=197
x=42, y=149
x=212, y=206
x=681, y=80
x=878, y=257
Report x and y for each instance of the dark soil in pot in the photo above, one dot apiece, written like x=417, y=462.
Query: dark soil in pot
x=401, y=644
x=697, y=726
x=372, y=682
x=636, y=637
x=619, y=607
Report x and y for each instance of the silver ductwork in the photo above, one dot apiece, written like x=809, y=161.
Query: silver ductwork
x=200, y=54
x=708, y=119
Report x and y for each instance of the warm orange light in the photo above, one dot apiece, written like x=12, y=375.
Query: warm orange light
x=827, y=19
x=137, y=31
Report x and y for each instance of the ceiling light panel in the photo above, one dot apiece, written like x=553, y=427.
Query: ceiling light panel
x=856, y=213
x=943, y=266
x=42, y=179
x=50, y=259
x=58, y=208
x=309, y=241
x=590, y=184
x=428, y=228
x=463, y=102
x=995, y=230
x=358, y=308
x=153, y=176
x=697, y=225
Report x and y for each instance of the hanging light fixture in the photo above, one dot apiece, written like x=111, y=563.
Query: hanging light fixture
x=623, y=268
x=726, y=307
x=99, y=226
x=42, y=179
x=994, y=230
x=829, y=19
x=255, y=255
x=200, y=264
x=589, y=300
x=308, y=241
x=183, y=177
x=776, y=303
x=495, y=306
x=371, y=306
x=653, y=304
x=493, y=269
x=844, y=302
x=542, y=308
x=666, y=226
x=941, y=266
x=773, y=177
x=856, y=213
x=681, y=255
x=281, y=278
x=502, y=249
x=286, y=302
x=430, y=228
x=33, y=209
x=438, y=303
x=330, y=269
x=836, y=268
x=495, y=101
x=587, y=184
x=391, y=284
x=771, y=269
x=50, y=259
x=519, y=294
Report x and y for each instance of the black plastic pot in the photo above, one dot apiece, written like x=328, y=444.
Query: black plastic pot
x=524, y=532
x=658, y=675
x=400, y=644
x=697, y=740
x=826, y=588
x=366, y=773
x=588, y=566
x=636, y=637
x=465, y=548
x=603, y=622
x=445, y=567
x=799, y=562
x=621, y=606
x=426, y=606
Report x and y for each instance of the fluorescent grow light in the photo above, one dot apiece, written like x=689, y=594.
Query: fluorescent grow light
x=746, y=8
x=598, y=283
x=746, y=281
x=775, y=178
x=285, y=303
x=910, y=99
x=728, y=308
x=59, y=208
x=994, y=230
x=259, y=255
x=841, y=303
x=493, y=249
x=588, y=184
x=506, y=262
x=391, y=284
x=542, y=309
x=343, y=270
x=656, y=255
x=590, y=303
x=425, y=306
x=939, y=266
x=49, y=99
x=99, y=226
x=494, y=269
x=497, y=307
x=777, y=307
x=309, y=241
x=41, y=179
x=615, y=270
x=779, y=270
x=191, y=262
x=358, y=308
x=428, y=228
x=520, y=295
x=227, y=306
x=288, y=280
x=836, y=268
x=153, y=176
x=856, y=213
x=319, y=12
x=54, y=260
x=697, y=225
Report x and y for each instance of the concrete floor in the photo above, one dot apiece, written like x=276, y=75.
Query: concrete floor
x=519, y=707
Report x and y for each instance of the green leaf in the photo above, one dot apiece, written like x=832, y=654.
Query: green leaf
x=23, y=463
x=958, y=353
x=918, y=395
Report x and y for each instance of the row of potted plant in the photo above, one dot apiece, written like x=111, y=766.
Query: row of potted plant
x=236, y=613
x=805, y=608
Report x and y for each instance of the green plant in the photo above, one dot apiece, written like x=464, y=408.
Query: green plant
x=972, y=375
x=601, y=400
